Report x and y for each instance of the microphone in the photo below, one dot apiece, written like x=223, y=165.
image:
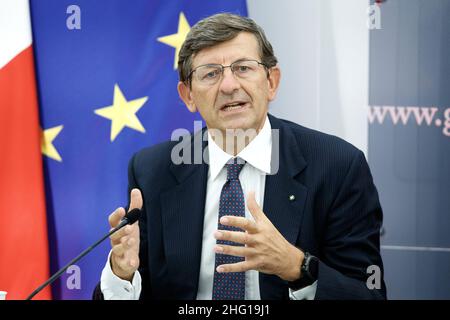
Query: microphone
x=130, y=218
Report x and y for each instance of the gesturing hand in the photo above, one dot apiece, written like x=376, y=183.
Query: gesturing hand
x=265, y=250
x=125, y=242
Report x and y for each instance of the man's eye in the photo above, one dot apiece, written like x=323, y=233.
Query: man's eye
x=242, y=69
x=211, y=74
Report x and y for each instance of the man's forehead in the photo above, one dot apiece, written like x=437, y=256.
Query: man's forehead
x=244, y=45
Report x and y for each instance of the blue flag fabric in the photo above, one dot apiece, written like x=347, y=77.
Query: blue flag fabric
x=107, y=88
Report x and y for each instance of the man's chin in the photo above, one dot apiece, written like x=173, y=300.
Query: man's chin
x=239, y=125
x=242, y=122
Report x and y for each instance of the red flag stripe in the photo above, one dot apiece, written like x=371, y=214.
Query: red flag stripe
x=24, y=258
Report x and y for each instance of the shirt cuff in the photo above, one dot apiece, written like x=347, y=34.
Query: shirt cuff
x=114, y=288
x=306, y=293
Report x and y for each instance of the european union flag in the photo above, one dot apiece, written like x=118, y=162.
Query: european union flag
x=107, y=87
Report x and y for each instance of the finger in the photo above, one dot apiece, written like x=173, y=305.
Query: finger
x=134, y=233
x=125, y=231
x=236, y=251
x=239, y=222
x=132, y=244
x=119, y=250
x=115, y=217
x=135, y=199
x=235, y=236
x=131, y=259
x=135, y=229
x=254, y=207
x=128, y=263
x=126, y=244
x=235, y=267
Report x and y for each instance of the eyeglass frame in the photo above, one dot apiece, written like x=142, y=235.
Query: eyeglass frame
x=189, y=77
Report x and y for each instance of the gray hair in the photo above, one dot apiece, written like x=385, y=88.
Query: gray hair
x=217, y=29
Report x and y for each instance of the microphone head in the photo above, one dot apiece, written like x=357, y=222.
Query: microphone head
x=132, y=216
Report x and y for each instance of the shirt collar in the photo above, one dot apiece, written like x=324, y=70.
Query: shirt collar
x=257, y=153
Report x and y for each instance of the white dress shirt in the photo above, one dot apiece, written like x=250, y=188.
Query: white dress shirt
x=257, y=155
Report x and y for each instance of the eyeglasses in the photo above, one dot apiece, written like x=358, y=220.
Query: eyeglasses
x=210, y=74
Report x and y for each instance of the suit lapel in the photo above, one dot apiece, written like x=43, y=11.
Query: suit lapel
x=284, y=198
x=183, y=214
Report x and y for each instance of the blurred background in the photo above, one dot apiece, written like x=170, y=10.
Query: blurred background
x=376, y=73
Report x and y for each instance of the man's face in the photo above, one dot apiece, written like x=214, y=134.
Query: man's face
x=253, y=96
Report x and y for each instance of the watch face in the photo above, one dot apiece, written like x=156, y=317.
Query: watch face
x=309, y=273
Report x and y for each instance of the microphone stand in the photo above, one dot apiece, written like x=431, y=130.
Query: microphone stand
x=129, y=218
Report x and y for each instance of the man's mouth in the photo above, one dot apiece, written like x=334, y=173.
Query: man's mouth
x=233, y=106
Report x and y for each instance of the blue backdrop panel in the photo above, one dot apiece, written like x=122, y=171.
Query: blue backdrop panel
x=410, y=73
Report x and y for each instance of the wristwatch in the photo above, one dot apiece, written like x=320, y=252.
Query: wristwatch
x=309, y=271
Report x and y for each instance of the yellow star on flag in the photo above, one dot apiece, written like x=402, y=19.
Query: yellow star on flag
x=176, y=40
x=47, y=147
x=122, y=113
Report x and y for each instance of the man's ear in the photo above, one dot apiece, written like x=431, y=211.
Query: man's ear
x=186, y=95
x=274, y=81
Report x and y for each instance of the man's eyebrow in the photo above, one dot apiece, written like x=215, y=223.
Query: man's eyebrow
x=219, y=64
x=245, y=58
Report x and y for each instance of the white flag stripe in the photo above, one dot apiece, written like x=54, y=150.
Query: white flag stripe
x=15, y=29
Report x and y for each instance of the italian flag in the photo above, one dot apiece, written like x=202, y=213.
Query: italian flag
x=24, y=257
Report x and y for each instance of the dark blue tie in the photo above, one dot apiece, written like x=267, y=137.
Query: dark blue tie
x=230, y=286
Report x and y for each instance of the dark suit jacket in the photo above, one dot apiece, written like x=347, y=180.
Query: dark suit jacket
x=336, y=215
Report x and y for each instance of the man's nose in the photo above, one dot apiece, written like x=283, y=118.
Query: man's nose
x=229, y=83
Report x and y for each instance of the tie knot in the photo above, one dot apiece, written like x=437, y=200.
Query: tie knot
x=234, y=166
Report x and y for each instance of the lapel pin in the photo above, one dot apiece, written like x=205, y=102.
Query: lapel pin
x=291, y=197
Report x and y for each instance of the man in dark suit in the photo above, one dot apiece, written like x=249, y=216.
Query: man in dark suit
x=251, y=207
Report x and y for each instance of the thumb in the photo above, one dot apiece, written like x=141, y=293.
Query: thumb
x=254, y=207
x=135, y=199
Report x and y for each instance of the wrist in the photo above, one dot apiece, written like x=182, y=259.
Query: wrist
x=293, y=271
x=309, y=272
x=118, y=272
